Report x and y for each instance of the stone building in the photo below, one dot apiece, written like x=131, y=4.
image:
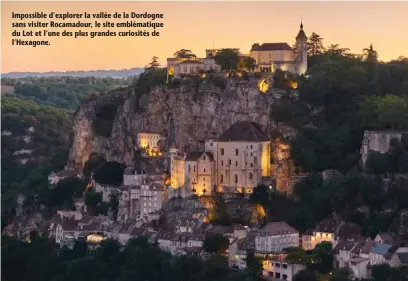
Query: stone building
x=235, y=162
x=276, y=236
x=242, y=157
x=150, y=142
x=272, y=56
x=195, y=170
x=179, y=67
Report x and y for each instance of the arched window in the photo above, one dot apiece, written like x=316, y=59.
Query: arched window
x=236, y=152
x=250, y=176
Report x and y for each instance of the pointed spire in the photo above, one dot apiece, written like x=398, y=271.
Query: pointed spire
x=301, y=22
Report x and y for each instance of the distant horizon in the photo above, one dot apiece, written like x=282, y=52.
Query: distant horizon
x=200, y=25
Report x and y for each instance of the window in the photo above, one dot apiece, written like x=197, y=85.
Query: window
x=236, y=163
x=236, y=178
x=251, y=165
x=189, y=168
x=229, y=161
x=204, y=157
x=251, y=146
x=204, y=170
x=222, y=151
x=222, y=163
x=236, y=152
x=194, y=168
x=222, y=178
x=250, y=176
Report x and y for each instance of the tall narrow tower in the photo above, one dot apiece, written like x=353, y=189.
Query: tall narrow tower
x=301, y=46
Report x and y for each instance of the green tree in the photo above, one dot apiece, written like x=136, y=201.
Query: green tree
x=250, y=64
x=334, y=49
x=323, y=253
x=228, y=59
x=253, y=265
x=184, y=54
x=110, y=173
x=216, y=244
x=315, y=45
x=378, y=163
x=305, y=275
x=153, y=65
x=342, y=274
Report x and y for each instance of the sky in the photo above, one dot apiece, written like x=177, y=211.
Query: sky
x=201, y=25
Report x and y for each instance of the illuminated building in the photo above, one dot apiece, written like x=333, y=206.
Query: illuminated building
x=272, y=56
x=149, y=142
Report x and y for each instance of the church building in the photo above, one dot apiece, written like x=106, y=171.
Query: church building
x=272, y=56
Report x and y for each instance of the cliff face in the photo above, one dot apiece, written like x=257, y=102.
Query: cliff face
x=379, y=141
x=186, y=115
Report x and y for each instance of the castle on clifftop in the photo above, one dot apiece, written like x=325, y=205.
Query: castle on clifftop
x=268, y=57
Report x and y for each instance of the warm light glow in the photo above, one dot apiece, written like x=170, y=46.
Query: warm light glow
x=293, y=84
x=203, y=75
x=94, y=238
x=263, y=86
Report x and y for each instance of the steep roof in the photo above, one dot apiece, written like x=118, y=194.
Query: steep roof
x=277, y=228
x=301, y=34
x=193, y=155
x=271, y=47
x=380, y=249
x=244, y=131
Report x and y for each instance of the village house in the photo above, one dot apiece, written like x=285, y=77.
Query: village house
x=272, y=56
x=400, y=257
x=194, y=169
x=325, y=231
x=379, y=253
x=275, y=237
x=278, y=268
x=181, y=67
x=149, y=142
x=239, y=248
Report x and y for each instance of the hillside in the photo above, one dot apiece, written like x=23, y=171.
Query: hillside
x=123, y=73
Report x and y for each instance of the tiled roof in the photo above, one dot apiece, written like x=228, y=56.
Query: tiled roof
x=328, y=226
x=191, y=61
x=193, y=156
x=380, y=249
x=403, y=257
x=271, y=47
x=277, y=228
x=244, y=131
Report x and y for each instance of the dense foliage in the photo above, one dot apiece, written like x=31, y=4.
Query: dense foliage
x=139, y=260
x=37, y=133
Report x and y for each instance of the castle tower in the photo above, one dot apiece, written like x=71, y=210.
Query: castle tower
x=301, y=46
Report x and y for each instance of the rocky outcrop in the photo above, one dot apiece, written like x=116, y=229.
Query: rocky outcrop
x=185, y=115
x=379, y=141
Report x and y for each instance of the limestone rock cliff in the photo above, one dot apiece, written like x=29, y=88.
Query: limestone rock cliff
x=186, y=115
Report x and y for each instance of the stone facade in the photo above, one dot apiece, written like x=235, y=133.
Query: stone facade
x=272, y=56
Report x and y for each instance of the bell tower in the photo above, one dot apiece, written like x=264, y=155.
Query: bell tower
x=301, y=46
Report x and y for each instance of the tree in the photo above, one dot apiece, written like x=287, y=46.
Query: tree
x=334, y=49
x=110, y=173
x=250, y=63
x=216, y=244
x=342, y=274
x=370, y=55
x=299, y=256
x=154, y=64
x=253, y=265
x=184, y=54
x=260, y=195
x=305, y=275
x=377, y=163
x=323, y=253
x=228, y=59
x=315, y=45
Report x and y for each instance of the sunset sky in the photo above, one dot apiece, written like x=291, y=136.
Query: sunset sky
x=196, y=25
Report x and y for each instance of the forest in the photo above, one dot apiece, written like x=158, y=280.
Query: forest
x=37, y=131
